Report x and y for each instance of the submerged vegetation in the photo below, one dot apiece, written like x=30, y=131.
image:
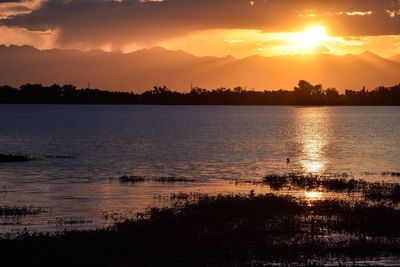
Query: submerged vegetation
x=377, y=191
x=6, y=158
x=223, y=230
x=303, y=94
x=163, y=179
x=387, y=173
x=58, y=157
x=18, y=211
x=14, y=158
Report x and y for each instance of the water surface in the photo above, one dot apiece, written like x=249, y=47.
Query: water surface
x=215, y=145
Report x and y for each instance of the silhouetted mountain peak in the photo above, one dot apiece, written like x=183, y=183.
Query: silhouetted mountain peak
x=145, y=68
x=19, y=47
x=160, y=50
x=395, y=58
x=229, y=57
x=156, y=49
x=367, y=55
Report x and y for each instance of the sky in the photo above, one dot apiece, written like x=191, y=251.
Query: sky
x=240, y=28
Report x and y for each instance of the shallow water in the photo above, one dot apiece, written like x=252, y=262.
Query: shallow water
x=215, y=145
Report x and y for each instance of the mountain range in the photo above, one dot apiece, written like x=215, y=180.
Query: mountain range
x=143, y=69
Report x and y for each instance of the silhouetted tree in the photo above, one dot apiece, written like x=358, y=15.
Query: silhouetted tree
x=303, y=94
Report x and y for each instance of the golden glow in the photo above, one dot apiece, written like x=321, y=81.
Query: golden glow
x=313, y=195
x=313, y=138
x=313, y=40
x=239, y=43
x=310, y=38
x=21, y=36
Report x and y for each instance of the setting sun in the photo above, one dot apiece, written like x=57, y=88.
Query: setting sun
x=311, y=38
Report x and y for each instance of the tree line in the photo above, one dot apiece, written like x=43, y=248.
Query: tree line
x=304, y=93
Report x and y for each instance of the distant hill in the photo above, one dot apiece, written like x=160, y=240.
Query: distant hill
x=141, y=70
x=396, y=58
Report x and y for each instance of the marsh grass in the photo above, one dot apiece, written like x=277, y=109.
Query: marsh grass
x=378, y=191
x=58, y=157
x=253, y=230
x=383, y=192
x=7, y=158
x=162, y=179
x=387, y=173
x=173, y=179
x=19, y=211
x=4, y=158
x=312, y=182
x=187, y=197
x=131, y=179
x=238, y=229
x=60, y=221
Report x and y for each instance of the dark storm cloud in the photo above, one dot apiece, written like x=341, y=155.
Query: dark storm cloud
x=99, y=21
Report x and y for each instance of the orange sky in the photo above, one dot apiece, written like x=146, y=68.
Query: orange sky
x=220, y=27
x=244, y=43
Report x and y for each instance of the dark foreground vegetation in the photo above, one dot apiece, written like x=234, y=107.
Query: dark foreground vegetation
x=201, y=230
x=14, y=158
x=304, y=94
x=337, y=183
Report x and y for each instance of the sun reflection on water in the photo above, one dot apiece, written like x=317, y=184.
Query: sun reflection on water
x=313, y=195
x=313, y=138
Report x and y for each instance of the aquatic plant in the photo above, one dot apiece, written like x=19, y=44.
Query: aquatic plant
x=310, y=182
x=163, y=179
x=19, y=211
x=181, y=196
x=131, y=179
x=387, y=173
x=58, y=157
x=60, y=221
x=383, y=192
x=172, y=179
x=15, y=158
x=373, y=191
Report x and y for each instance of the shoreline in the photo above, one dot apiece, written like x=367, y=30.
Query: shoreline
x=232, y=229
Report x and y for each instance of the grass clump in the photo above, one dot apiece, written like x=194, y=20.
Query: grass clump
x=394, y=174
x=18, y=211
x=131, y=179
x=310, y=182
x=383, y=192
x=173, y=179
x=14, y=158
x=378, y=191
x=163, y=179
x=58, y=157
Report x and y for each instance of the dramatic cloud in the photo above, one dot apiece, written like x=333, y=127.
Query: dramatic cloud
x=10, y=8
x=117, y=23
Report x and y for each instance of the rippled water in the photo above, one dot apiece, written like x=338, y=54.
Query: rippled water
x=215, y=145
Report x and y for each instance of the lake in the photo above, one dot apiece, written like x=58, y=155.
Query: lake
x=81, y=150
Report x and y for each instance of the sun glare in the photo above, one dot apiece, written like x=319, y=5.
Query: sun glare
x=312, y=195
x=311, y=38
